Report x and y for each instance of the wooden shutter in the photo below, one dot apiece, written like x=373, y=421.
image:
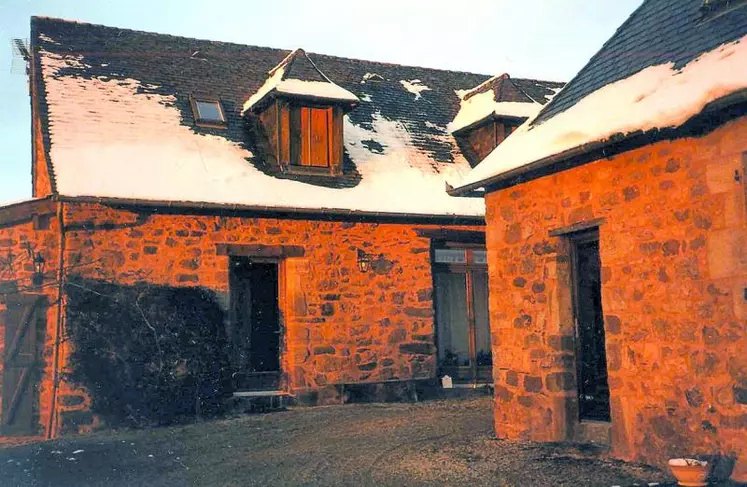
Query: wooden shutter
x=305, y=136
x=311, y=131
x=25, y=315
x=320, y=137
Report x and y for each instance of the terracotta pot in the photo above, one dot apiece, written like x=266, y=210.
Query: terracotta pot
x=689, y=472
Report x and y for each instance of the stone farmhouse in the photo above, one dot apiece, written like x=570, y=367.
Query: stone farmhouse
x=305, y=192
x=617, y=244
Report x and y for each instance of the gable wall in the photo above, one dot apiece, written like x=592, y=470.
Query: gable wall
x=673, y=251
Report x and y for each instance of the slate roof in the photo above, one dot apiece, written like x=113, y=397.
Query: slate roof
x=117, y=122
x=506, y=88
x=659, y=31
x=299, y=76
x=502, y=96
x=670, y=63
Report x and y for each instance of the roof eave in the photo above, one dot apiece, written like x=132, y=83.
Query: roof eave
x=272, y=210
x=491, y=117
x=640, y=138
x=262, y=103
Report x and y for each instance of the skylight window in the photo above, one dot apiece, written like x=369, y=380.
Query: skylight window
x=208, y=111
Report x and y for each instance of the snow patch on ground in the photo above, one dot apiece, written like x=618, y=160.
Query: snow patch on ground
x=109, y=140
x=655, y=98
x=414, y=86
x=482, y=105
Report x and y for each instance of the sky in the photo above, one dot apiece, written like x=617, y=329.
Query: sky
x=541, y=39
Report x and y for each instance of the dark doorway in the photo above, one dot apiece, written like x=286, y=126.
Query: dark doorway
x=591, y=360
x=255, y=330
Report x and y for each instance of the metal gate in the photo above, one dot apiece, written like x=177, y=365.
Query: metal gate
x=24, y=318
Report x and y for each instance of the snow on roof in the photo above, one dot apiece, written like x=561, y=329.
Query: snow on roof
x=278, y=81
x=371, y=76
x=117, y=138
x=483, y=105
x=657, y=97
x=486, y=100
x=414, y=86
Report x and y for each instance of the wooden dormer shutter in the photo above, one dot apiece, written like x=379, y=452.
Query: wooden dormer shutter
x=315, y=133
x=309, y=137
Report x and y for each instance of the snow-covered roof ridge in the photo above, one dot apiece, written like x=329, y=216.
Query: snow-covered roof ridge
x=313, y=83
x=662, y=96
x=498, y=96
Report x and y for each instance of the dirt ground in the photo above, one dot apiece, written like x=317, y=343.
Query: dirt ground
x=446, y=442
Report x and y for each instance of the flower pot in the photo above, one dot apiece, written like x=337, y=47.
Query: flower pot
x=689, y=472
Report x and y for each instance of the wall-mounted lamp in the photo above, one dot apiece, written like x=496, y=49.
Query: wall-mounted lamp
x=364, y=261
x=39, y=263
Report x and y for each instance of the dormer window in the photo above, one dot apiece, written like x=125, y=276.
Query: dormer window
x=297, y=118
x=311, y=129
x=208, y=112
x=491, y=111
x=509, y=127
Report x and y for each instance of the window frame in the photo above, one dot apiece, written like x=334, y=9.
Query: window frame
x=476, y=373
x=208, y=123
x=286, y=147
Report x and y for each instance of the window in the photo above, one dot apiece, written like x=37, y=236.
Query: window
x=208, y=112
x=310, y=136
x=462, y=329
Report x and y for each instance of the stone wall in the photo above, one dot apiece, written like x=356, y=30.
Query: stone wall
x=340, y=325
x=33, y=225
x=673, y=246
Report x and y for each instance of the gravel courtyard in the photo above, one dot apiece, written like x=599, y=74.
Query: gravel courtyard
x=446, y=442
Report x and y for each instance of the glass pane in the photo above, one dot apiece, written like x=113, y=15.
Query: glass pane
x=209, y=110
x=451, y=319
x=451, y=256
x=482, y=321
x=479, y=257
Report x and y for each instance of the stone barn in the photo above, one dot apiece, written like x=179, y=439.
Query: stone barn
x=305, y=192
x=617, y=244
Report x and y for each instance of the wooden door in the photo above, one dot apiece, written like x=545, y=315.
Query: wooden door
x=591, y=360
x=24, y=318
x=256, y=328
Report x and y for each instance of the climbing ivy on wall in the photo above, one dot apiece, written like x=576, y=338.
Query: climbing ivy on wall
x=146, y=354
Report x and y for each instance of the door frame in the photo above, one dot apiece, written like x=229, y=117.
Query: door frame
x=576, y=238
x=278, y=261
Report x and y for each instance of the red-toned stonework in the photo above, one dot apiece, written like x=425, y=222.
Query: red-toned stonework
x=341, y=325
x=673, y=247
